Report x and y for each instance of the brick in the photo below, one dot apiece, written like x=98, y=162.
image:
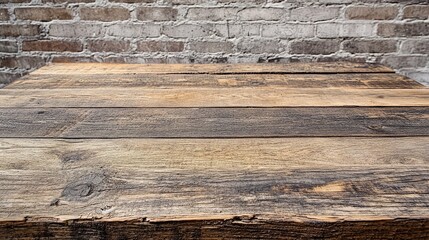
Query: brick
x=314, y=14
x=258, y=46
x=9, y=30
x=212, y=14
x=8, y=46
x=160, y=46
x=73, y=59
x=132, y=59
x=104, y=14
x=267, y=14
x=370, y=46
x=370, y=1
x=8, y=77
x=156, y=14
x=52, y=46
x=317, y=58
x=22, y=62
x=134, y=30
x=335, y=30
x=68, y=1
x=186, y=2
x=371, y=13
x=14, y=1
x=327, y=58
x=249, y=2
x=189, y=31
x=335, y=1
x=287, y=30
x=75, y=30
x=404, y=1
x=211, y=59
x=416, y=46
x=199, y=2
x=416, y=12
x=403, y=30
x=117, y=46
x=212, y=47
x=133, y=1
x=4, y=15
x=398, y=62
x=241, y=30
x=420, y=76
x=43, y=14
x=315, y=47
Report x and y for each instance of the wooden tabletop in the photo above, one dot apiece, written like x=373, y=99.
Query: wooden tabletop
x=114, y=151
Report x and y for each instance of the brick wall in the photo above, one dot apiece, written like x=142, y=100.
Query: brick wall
x=393, y=32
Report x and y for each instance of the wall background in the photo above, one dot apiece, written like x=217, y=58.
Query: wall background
x=392, y=32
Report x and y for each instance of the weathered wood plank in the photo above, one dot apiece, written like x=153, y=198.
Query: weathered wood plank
x=205, y=154
x=111, y=68
x=352, y=80
x=212, y=97
x=212, y=122
x=76, y=180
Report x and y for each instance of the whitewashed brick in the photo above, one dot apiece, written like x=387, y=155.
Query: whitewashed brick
x=335, y=30
x=134, y=30
x=287, y=30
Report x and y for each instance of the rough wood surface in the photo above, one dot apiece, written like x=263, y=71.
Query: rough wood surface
x=286, y=151
x=111, y=68
x=152, y=178
x=198, y=97
x=351, y=80
x=213, y=122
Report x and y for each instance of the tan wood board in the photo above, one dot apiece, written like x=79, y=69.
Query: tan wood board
x=212, y=97
x=382, y=178
x=112, y=68
x=213, y=122
x=351, y=80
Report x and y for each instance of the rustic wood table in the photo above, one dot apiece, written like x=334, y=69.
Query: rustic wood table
x=111, y=151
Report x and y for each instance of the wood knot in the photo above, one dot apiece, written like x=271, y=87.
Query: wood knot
x=85, y=187
x=79, y=190
x=73, y=156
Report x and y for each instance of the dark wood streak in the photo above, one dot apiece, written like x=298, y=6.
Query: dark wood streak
x=239, y=227
x=213, y=122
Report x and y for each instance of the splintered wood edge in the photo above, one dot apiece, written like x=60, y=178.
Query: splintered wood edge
x=219, y=227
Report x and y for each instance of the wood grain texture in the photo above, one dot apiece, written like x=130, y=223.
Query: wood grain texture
x=65, y=180
x=352, y=80
x=212, y=97
x=286, y=151
x=212, y=122
x=206, y=154
x=111, y=68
